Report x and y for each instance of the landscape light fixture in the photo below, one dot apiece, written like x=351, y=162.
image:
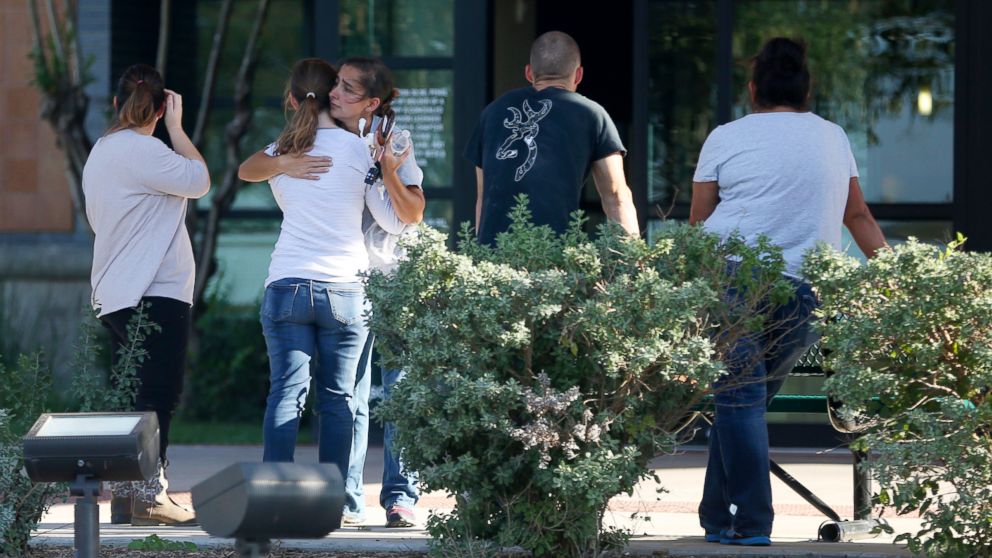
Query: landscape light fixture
x=85, y=449
x=256, y=502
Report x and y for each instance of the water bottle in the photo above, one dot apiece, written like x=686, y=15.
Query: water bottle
x=400, y=142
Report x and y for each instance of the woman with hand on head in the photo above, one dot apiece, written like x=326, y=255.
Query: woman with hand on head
x=314, y=302
x=360, y=100
x=787, y=174
x=136, y=191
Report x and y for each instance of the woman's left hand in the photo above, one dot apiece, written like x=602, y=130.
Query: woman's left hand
x=389, y=162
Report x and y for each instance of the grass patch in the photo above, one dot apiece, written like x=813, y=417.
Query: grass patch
x=190, y=432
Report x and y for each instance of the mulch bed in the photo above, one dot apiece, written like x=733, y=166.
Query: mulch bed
x=210, y=552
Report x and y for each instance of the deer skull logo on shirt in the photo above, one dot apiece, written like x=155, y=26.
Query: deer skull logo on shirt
x=525, y=130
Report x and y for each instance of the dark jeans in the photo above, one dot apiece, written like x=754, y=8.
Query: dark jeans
x=738, y=472
x=160, y=376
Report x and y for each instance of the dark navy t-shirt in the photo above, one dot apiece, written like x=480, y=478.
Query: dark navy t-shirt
x=539, y=143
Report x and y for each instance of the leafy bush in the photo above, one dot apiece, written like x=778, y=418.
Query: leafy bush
x=229, y=376
x=546, y=371
x=23, y=391
x=95, y=390
x=26, y=393
x=911, y=352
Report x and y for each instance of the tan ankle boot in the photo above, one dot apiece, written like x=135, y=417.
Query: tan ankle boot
x=154, y=506
x=163, y=511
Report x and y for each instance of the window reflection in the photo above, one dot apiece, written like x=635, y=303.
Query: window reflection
x=397, y=27
x=883, y=70
x=682, y=96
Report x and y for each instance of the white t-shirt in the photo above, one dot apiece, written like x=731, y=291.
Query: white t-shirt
x=136, y=190
x=785, y=175
x=321, y=235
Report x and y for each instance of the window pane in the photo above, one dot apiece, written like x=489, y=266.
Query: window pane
x=896, y=232
x=883, y=70
x=397, y=27
x=681, y=95
x=267, y=123
x=244, y=249
x=440, y=214
x=282, y=44
x=425, y=107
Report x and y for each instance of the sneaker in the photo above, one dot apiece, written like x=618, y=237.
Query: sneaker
x=733, y=538
x=715, y=537
x=398, y=516
x=348, y=518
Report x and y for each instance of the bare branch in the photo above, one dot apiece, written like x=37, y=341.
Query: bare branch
x=224, y=194
x=164, y=27
x=210, y=77
x=54, y=30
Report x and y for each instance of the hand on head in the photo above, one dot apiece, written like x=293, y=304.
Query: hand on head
x=173, y=109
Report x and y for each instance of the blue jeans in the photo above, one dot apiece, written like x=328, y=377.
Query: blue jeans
x=738, y=472
x=303, y=319
x=399, y=486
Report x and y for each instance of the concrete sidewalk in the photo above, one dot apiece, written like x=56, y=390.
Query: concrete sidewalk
x=661, y=522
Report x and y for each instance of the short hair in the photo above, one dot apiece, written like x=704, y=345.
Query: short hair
x=780, y=74
x=554, y=55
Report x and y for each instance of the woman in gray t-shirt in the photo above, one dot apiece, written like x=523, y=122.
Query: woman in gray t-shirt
x=787, y=174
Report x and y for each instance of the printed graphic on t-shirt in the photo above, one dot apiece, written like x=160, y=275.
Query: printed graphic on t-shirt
x=525, y=130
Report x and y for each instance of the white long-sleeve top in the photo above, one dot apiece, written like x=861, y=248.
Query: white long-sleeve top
x=136, y=190
x=321, y=235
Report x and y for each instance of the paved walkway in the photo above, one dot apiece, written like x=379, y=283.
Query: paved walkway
x=661, y=521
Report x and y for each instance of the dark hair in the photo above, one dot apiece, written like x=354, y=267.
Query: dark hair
x=554, y=55
x=310, y=82
x=780, y=74
x=377, y=80
x=140, y=95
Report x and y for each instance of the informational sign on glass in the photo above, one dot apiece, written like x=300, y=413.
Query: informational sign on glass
x=425, y=112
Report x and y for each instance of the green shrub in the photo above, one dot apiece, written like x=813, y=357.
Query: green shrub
x=911, y=349
x=23, y=391
x=229, y=372
x=546, y=371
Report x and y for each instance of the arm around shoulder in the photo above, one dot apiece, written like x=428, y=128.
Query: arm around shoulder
x=618, y=201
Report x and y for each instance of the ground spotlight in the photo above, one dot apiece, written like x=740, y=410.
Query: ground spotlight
x=85, y=449
x=256, y=502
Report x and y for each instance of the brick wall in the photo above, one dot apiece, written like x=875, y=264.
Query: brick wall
x=34, y=196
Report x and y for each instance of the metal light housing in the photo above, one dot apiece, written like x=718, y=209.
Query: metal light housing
x=62, y=447
x=258, y=501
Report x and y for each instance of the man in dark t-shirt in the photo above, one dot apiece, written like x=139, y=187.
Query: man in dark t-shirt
x=543, y=141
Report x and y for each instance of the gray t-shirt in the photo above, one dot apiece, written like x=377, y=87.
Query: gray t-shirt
x=785, y=175
x=136, y=190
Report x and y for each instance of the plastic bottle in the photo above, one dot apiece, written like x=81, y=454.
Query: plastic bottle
x=400, y=142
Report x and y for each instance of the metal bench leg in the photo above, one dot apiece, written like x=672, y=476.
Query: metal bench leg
x=862, y=487
x=801, y=490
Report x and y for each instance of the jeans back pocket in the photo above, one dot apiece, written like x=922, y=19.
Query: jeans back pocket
x=347, y=305
x=278, y=301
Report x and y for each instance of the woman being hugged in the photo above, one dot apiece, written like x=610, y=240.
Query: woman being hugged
x=361, y=98
x=136, y=192
x=314, y=301
x=787, y=174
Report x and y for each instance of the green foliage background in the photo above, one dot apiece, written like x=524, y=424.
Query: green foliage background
x=909, y=338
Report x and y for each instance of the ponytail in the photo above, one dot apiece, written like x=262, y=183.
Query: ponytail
x=309, y=85
x=140, y=96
